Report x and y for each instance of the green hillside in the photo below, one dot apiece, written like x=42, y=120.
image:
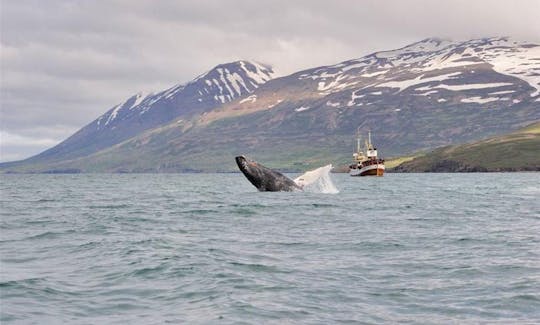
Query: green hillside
x=517, y=151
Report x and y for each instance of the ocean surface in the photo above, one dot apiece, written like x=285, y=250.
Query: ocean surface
x=209, y=248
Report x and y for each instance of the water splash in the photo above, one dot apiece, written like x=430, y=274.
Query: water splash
x=317, y=181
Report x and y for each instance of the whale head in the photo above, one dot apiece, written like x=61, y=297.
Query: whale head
x=242, y=163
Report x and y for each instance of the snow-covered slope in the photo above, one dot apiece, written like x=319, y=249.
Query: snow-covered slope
x=433, y=63
x=229, y=81
x=220, y=85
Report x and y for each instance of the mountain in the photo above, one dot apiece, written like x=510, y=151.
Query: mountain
x=142, y=112
x=426, y=95
x=517, y=151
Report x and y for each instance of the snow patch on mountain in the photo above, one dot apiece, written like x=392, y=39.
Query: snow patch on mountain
x=404, y=84
x=334, y=85
x=251, y=99
x=479, y=100
x=519, y=63
x=373, y=74
x=276, y=103
x=472, y=86
x=354, y=97
x=172, y=91
x=302, y=108
x=113, y=114
x=257, y=72
x=129, y=104
x=502, y=92
x=427, y=93
x=333, y=104
x=138, y=99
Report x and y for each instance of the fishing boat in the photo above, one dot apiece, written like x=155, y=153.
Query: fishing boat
x=366, y=163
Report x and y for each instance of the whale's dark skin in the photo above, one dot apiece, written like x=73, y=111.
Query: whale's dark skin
x=265, y=179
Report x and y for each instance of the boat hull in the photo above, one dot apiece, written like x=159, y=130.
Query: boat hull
x=371, y=170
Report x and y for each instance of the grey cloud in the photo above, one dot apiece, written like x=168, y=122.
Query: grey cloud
x=64, y=63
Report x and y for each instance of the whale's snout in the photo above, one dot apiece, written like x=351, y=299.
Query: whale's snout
x=241, y=161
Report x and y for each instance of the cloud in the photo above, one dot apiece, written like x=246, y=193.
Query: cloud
x=64, y=63
x=16, y=147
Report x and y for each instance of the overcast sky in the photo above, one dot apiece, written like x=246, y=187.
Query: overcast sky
x=64, y=63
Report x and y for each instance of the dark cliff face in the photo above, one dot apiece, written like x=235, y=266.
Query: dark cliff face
x=429, y=94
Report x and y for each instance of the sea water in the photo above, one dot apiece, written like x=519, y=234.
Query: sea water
x=209, y=248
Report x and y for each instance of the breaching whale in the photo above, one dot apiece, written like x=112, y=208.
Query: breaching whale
x=264, y=178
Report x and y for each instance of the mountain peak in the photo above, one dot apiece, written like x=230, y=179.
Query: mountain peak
x=228, y=81
x=243, y=63
x=221, y=84
x=427, y=45
x=258, y=72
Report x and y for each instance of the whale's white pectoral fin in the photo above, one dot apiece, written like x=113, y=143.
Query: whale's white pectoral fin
x=312, y=176
x=317, y=180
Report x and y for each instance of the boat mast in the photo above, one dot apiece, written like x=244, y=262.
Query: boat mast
x=357, y=144
x=358, y=140
x=358, y=155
